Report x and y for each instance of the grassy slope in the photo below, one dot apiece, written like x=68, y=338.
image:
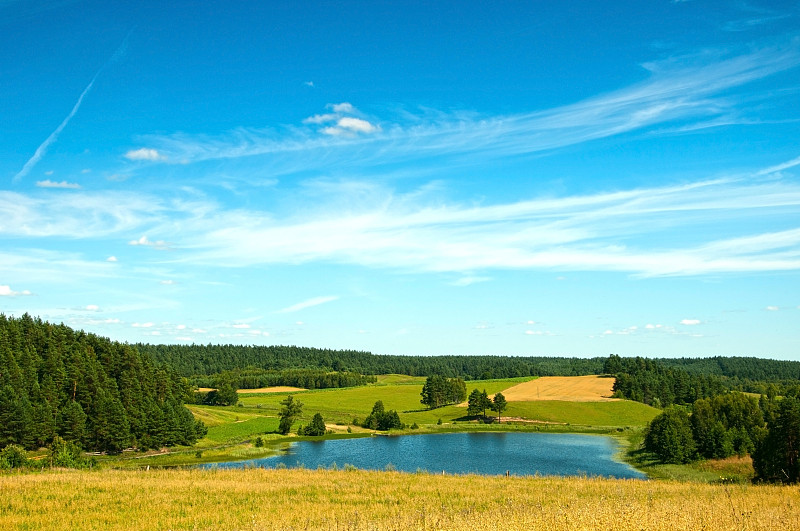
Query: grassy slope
x=262, y=499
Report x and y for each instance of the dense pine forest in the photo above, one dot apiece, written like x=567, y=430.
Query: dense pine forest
x=88, y=390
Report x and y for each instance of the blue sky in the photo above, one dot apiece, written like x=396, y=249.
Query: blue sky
x=522, y=178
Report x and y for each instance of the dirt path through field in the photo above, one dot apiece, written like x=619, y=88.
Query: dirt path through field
x=570, y=388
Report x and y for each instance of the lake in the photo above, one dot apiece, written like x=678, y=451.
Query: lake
x=522, y=454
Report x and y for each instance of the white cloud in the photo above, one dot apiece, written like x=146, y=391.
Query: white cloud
x=6, y=291
x=112, y=259
x=145, y=154
x=351, y=126
x=242, y=326
x=342, y=107
x=47, y=183
x=533, y=332
x=160, y=244
x=143, y=325
x=316, y=301
x=321, y=118
x=690, y=322
x=93, y=308
x=772, y=308
x=167, y=282
x=180, y=327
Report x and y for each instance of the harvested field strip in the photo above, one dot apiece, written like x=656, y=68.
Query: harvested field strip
x=568, y=388
x=275, y=389
x=323, y=499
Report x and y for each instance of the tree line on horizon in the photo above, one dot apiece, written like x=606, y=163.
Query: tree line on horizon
x=747, y=374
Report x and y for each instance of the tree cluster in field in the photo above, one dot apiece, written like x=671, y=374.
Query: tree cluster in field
x=86, y=390
x=255, y=378
x=315, y=429
x=478, y=402
x=732, y=424
x=439, y=391
x=380, y=419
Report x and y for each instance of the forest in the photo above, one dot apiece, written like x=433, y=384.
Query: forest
x=87, y=390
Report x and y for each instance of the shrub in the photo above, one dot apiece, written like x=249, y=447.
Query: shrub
x=13, y=456
x=66, y=454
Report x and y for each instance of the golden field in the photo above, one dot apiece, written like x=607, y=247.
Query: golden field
x=260, y=499
x=569, y=388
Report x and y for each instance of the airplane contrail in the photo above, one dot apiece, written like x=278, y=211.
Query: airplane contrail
x=42, y=149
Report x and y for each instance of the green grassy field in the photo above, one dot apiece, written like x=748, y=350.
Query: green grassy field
x=401, y=393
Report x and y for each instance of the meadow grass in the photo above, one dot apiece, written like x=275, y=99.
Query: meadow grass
x=399, y=393
x=619, y=413
x=264, y=499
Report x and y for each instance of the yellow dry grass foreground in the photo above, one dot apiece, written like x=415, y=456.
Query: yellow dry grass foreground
x=568, y=388
x=326, y=499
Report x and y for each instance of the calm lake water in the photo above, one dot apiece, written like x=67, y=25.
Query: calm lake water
x=521, y=454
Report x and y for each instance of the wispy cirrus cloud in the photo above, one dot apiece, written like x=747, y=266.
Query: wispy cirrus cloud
x=44, y=146
x=704, y=223
x=47, y=183
x=316, y=301
x=681, y=92
x=82, y=214
x=698, y=228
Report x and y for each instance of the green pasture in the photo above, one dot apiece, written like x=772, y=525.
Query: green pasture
x=613, y=414
x=341, y=406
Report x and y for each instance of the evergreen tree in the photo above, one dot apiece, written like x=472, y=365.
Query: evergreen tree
x=316, y=427
x=474, y=403
x=777, y=456
x=291, y=409
x=499, y=404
